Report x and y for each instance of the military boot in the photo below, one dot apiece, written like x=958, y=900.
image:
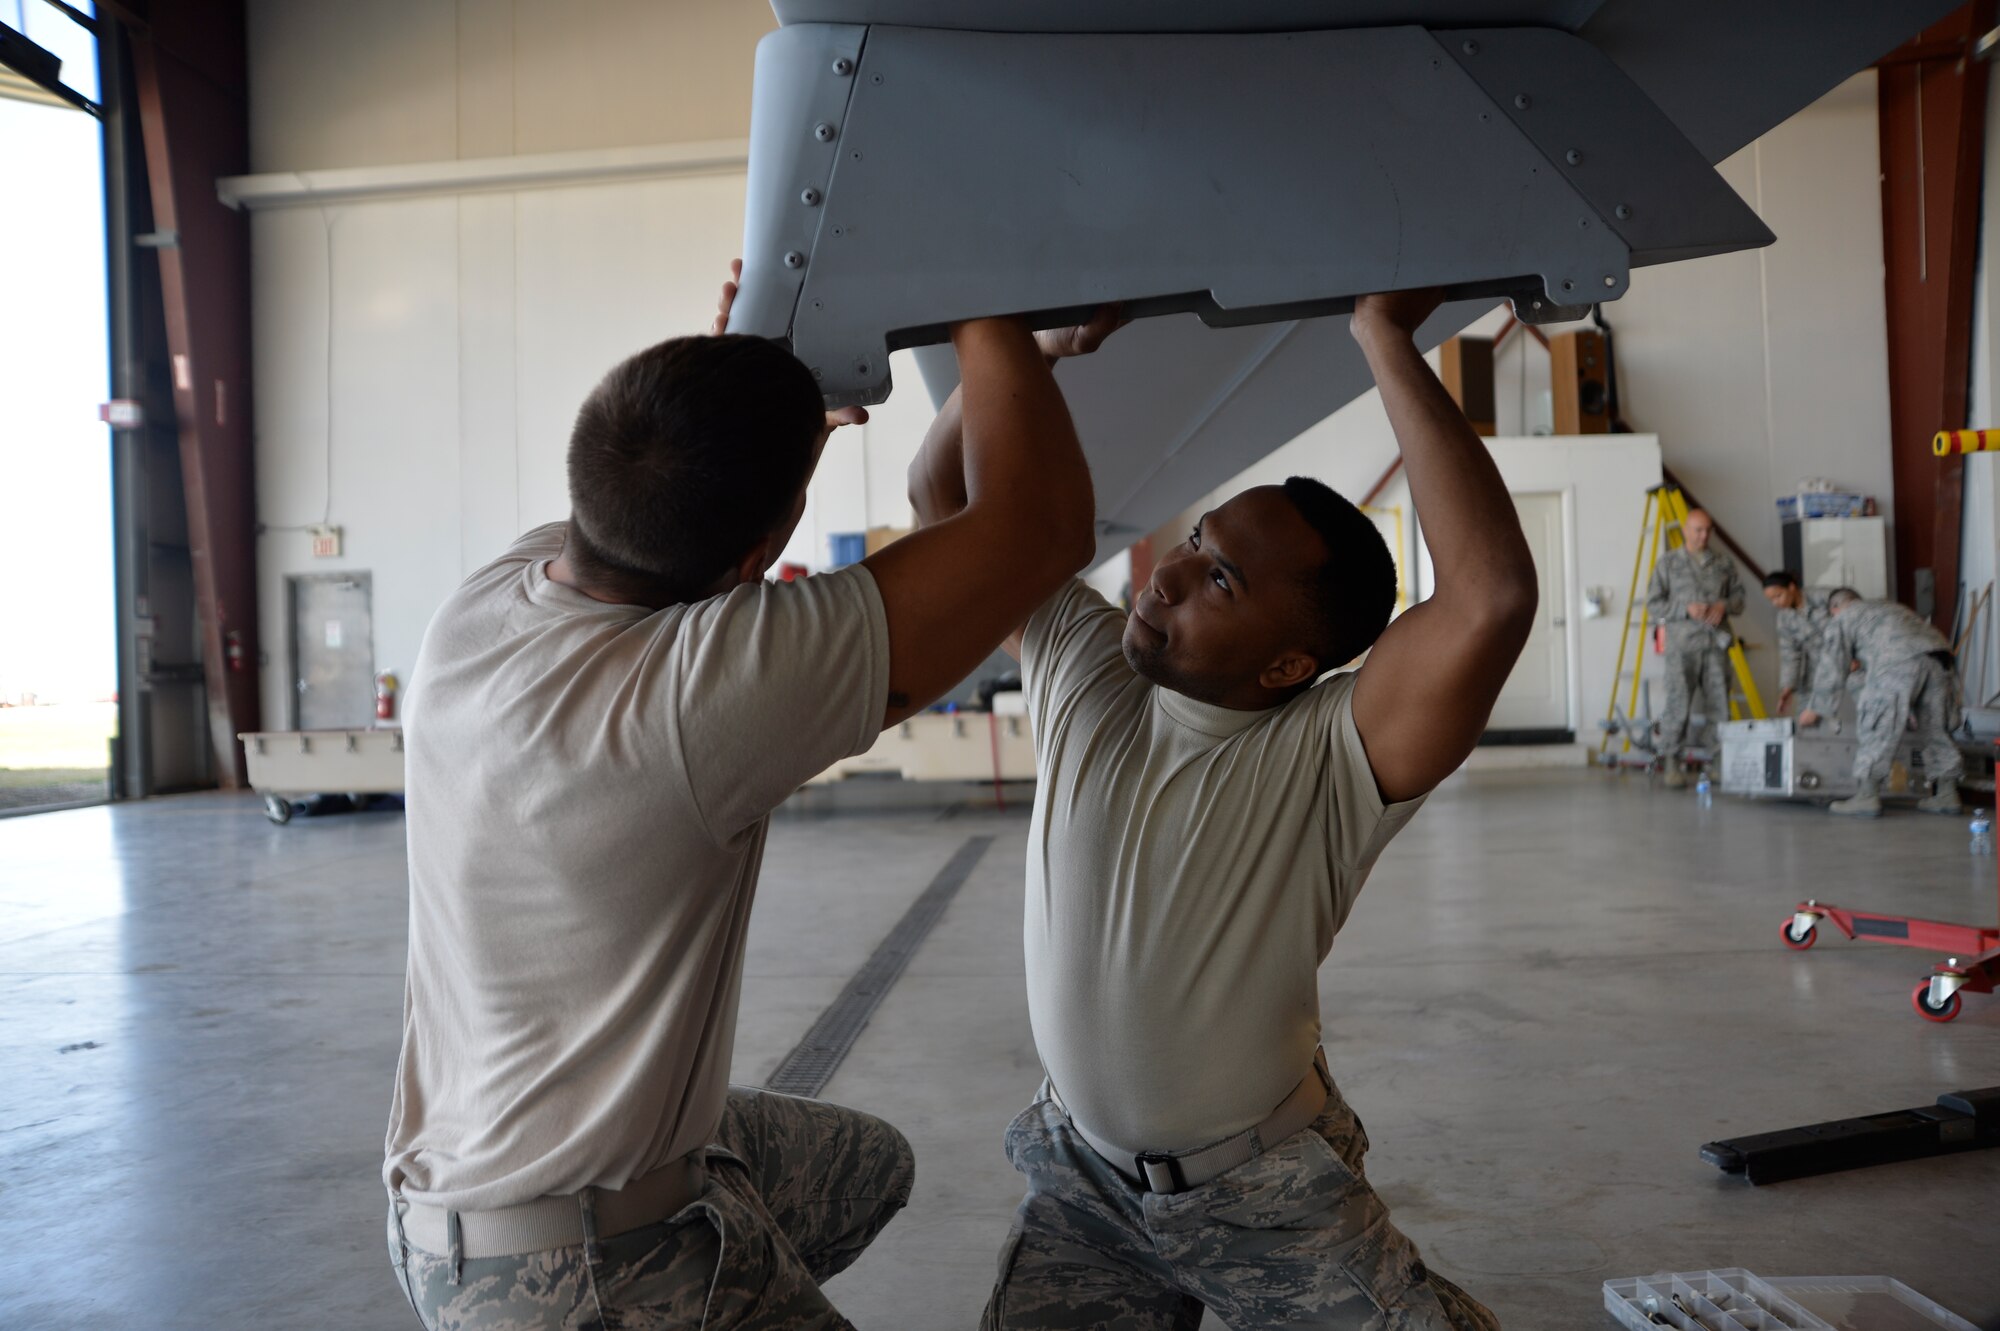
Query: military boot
x=1943, y=799
x=1676, y=777
x=1867, y=803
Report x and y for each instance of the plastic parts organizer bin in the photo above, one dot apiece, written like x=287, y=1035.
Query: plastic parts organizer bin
x=1737, y=1300
x=1836, y=505
x=1868, y=1303
x=846, y=547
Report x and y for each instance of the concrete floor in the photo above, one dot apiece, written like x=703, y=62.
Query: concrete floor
x=1556, y=987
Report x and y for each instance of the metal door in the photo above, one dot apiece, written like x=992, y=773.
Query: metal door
x=333, y=651
x=1536, y=696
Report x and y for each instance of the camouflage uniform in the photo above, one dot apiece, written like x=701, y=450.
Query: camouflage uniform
x=1294, y=1237
x=1910, y=678
x=1798, y=641
x=795, y=1189
x=1695, y=660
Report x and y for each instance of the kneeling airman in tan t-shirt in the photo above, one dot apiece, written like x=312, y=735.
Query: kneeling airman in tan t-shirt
x=1205, y=814
x=600, y=723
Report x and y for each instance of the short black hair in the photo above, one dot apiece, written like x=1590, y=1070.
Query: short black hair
x=1353, y=590
x=683, y=457
x=1781, y=577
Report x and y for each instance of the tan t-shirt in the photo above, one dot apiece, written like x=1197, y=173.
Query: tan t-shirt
x=1188, y=867
x=589, y=787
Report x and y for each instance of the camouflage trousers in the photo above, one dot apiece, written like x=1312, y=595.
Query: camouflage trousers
x=1294, y=1237
x=1922, y=694
x=795, y=1190
x=1697, y=669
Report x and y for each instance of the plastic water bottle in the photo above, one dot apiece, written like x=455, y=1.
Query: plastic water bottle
x=1982, y=833
x=1704, y=792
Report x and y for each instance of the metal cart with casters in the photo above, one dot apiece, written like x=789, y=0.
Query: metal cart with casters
x=289, y=767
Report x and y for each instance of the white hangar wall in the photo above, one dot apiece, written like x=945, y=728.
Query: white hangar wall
x=464, y=324
x=420, y=347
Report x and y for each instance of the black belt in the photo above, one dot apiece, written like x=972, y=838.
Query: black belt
x=1166, y=1171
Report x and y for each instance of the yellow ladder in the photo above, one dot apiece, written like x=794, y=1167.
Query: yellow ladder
x=1660, y=528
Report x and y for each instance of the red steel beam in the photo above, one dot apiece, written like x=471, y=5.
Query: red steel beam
x=1511, y=324
x=1390, y=473
x=189, y=66
x=1931, y=99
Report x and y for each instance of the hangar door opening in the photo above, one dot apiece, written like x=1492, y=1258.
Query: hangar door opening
x=1534, y=705
x=58, y=637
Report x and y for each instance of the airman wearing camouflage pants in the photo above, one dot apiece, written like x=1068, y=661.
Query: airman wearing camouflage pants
x=1342, y=1263
x=601, y=722
x=791, y=1192
x=1693, y=590
x=1207, y=808
x=1912, y=684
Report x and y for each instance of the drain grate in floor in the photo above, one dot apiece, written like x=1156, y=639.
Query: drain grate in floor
x=807, y=1069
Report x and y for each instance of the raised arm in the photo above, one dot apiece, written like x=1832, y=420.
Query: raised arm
x=1428, y=686
x=995, y=546
x=937, y=473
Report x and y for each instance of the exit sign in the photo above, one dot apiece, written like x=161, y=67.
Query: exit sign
x=122, y=414
x=326, y=542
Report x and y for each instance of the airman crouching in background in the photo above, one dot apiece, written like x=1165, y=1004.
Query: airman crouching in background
x=1802, y=617
x=1911, y=682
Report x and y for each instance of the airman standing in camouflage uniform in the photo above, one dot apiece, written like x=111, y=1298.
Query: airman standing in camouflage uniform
x=1802, y=617
x=1912, y=684
x=1693, y=590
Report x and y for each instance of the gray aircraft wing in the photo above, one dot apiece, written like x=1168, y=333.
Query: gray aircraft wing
x=1236, y=173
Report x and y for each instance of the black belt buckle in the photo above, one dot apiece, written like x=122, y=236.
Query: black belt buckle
x=1169, y=1163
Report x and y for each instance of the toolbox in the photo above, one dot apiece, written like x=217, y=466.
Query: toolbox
x=1771, y=759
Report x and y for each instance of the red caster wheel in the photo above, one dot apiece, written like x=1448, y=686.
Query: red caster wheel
x=1921, y=1000
x=1798, y=942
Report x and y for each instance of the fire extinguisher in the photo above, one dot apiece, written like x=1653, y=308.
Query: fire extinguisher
x=238, y=660
x=385, y=696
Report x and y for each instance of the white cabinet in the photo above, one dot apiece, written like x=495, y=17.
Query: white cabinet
x=1840, y=552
